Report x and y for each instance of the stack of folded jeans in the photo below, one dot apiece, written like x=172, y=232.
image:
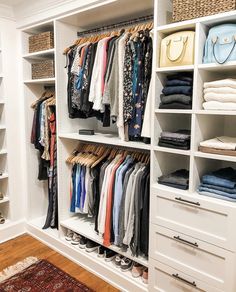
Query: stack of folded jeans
x=177, y=93
x=178, y=179
x=178, y=140
x=220, y=95
x=220, y=145
x=219, y=184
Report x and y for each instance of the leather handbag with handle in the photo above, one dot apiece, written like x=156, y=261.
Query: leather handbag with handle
x=177, y=49
x=220, y=45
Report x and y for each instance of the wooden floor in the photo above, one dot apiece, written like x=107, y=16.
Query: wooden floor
x=23, y=246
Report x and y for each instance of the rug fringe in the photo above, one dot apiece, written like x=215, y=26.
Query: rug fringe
x=17, y=268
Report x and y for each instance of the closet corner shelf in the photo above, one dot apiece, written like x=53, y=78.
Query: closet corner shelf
x=3, y=176
x=172, y=150
x=85, y=227
x=38, y=224
x=40, y=54
x=215, y=112
x=173, y=111
x=3, y=151
x=2, y=101
x=5, y=200
x=110, y=139
x=216, y=67
x=173, y=27
x=40, y=81
x=2, y=128
x=215, y=156
x=175, y=69
x=6, y=224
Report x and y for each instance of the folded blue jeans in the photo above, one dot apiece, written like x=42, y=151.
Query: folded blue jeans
x=216, y=196
x=178, y=82
x=227, y=190
x=217, y=192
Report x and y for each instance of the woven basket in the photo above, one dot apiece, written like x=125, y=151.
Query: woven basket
x=189, y=9
x=41, y=42
x=43, y=69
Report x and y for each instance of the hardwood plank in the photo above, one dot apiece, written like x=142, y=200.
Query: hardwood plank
x=17, y=249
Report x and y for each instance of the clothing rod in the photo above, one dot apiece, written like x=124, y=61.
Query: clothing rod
x=116, y=25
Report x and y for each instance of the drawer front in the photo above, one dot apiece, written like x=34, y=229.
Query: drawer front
x=163, y=278
x=196, y=216
x=199, y=259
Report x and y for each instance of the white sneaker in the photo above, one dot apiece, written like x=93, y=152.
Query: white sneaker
x=69, y=235
x=76, y=239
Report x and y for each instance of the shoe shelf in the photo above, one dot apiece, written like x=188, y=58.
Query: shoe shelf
x=85, y=227
x=109, y=266
x=5, y=200
x=3, y=151
x=3, y=176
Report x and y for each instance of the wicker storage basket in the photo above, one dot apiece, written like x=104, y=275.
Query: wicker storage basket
x=43, y=69
x=41, y=42
x=189, y=9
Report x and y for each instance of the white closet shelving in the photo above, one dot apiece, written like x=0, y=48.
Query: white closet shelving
x=65, y=33
x=192, y=246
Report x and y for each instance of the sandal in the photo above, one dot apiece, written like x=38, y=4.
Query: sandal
x=2, y=219
x=1, y=196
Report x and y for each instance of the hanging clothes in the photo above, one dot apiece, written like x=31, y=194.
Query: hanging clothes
x=109, y=78
x=43, y=136
x=115, y=194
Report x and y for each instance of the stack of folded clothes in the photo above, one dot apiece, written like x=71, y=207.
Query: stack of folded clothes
x=220, y=95
x=219, y=184
x=178, y=140
x=220, y=145
x=177, y=93
x=178, y=179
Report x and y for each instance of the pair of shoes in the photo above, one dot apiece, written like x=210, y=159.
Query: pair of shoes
x=91, y=246
x=139, y=270
x=2, y=219
x=106, y=253
x=123, y=263
x=73, y=237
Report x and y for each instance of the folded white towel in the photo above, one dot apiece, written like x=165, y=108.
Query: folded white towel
x=223, y=90
x=223, y=143
x=221, y=83
x=220, y=97
x=216, y=105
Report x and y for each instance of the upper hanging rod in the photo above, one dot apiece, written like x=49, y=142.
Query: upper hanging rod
x=116, y=25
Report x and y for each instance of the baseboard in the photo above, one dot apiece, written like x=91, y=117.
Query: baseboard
x=11, y=230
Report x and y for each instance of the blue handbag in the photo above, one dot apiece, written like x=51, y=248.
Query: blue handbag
x=220, y=45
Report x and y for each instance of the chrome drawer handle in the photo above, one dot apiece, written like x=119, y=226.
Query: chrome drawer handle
x=183, y=280
x=186, y=201
x=185, y=241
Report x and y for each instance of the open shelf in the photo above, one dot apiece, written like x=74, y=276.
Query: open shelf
x=41, y=81
x=3, y=176
x=172, y=150
x=85, y=227
x=103, y=138
x=40, y=54
x=175, y=69
x=218, y=67
x=3, y=151
x=5, y=200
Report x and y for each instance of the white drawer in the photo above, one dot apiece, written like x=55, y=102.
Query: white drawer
x=163, y=278
x=211, y=264
x=208, y=220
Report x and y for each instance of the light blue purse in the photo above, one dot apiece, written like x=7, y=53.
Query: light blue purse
x=220, y=45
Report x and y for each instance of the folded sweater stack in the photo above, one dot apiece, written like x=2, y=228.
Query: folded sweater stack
x=220, y=95
x=178, y=179
x=220, y=145
x=220, y=184
x=177, y=93
x=178, y=140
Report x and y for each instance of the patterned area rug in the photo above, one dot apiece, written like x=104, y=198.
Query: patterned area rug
x=38, y=276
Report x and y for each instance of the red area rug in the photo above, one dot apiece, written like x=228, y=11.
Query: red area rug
x=32, y=275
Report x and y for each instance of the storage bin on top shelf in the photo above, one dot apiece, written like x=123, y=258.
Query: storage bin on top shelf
x=189, y=9
x=177, y=49
x=40, y=42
